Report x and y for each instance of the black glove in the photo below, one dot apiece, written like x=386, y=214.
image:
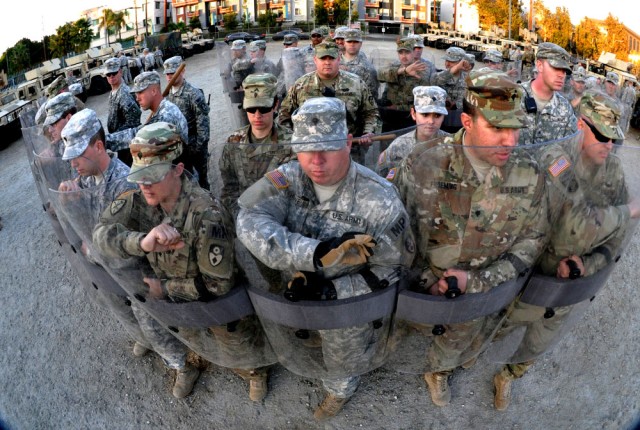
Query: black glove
x=310, y=286
x=351, y=249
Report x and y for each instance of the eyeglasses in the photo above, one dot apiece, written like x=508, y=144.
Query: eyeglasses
x=111, y=74
x=599, y=136
x=316, y=35
x=262, y=110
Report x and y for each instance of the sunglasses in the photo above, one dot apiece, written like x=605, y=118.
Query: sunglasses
x=111, y=74
x=599, y=136
x=262, y=110
x=316, y=35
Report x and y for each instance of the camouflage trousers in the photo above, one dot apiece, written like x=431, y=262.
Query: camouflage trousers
x=124, y=314
x=172, y=351
x=126, y=75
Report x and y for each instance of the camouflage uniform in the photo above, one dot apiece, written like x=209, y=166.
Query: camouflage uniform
x=190, y=100
x=458, y=224
x=124, y=112
x=454, y=85
x=360, y=65
x=571, y=95
x=283, y=222
x=240, y=66
x=126, y=73
x=528, y=61
x=628, y=99
x=262, y=64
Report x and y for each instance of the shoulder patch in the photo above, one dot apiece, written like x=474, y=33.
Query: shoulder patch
x=559, y=166
x=277, y=179
x=216, y=255
x=116, y=206
x=391, y=174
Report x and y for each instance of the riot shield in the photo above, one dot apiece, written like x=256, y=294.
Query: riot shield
x=596, y=185
x=469, y=232
x=233, y=94
x=221, y=328
x=294, y=64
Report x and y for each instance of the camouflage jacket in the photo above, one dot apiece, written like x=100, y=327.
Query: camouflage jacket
x=454, y=85
x=190, y=100
x=399, y=89
x=590, y=216
x=492, y=229
x=167, y=112
x=264, y=65
x=124, y=112
x=362, y=110
x=205, y=265
x=399, y=149
x=241, y=68
x=556, y=120
x=242, y=164
x=629, y=96
x=361, y=67
x=571, y=96
x=282, y=222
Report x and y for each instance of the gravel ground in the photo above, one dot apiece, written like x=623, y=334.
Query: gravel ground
x=65, y=363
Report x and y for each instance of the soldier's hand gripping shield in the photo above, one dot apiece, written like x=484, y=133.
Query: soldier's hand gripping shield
x=478, y=234
x=188, y=281
x=596, y=189
x=233, y=94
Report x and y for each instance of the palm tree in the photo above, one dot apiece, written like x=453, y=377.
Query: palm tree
x=118, y=21
x=106, y=22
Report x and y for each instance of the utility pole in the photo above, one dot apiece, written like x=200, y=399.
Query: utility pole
x=135, y=10
x=509, y=19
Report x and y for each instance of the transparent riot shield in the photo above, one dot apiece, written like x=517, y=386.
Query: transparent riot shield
x=476, y=242
x=338, y=328
x=234, y=67
x=293, y=66
x=597, y=185
x=208, y=312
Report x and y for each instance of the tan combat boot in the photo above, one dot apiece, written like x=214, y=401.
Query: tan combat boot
x=438, y=384
x=139, y=349
x=185, y=380
x=257, y=382
x=502, y=386
x=329, y=407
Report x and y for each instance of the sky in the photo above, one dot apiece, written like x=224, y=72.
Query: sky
x=35, y=18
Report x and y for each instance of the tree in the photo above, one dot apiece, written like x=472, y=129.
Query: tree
x=194, y=23
x=118, y=21
x=267, y=19
x=496, y=13
x=62, y=42
x=321, y=12
x=588, y=39
x=230, y=21
x=82, y=34
x=616, y=40
x=181, y=27
x=106, y=22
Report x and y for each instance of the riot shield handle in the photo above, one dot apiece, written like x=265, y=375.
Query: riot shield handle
x=452, y=287
x=574, y=270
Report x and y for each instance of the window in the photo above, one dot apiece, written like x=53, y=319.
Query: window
x=157, y=5
x=157, y=20
x=297, y=11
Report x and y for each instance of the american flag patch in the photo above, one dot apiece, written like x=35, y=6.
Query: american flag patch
x=559, y=166
x=391, y=174
x=277, y=179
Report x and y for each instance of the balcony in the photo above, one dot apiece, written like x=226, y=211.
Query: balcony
x=370, y=3
x=276, y=5
x=183, y=3
x=385, y=5
x=372, y=18
x=194, y=14
x=225, y=10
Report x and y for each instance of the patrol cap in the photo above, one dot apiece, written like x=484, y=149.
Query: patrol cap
x=256, y=45
x=290, y=39
x=143, y=80
x=112, y=65
x=172, y=64
x=320, y=124
x=76, y=89
x=555, y=55
x=612, y=77
x=430, y=100
x=579, y=75
x=259, y=90
x=493, y=56
x=77, y=133
x=56, y=86
x=327, y=48
x=57, y=106
x=496, y=97
x=405, y=44
x=454, y=54
x=322, y=31
x=237, y=45
x=603, y=111
x=352, y=35
x=419, y=41
x=153, y=150
x=471, y=59
x=339, y=32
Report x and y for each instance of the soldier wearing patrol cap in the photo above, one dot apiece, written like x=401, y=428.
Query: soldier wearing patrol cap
x=401, y=77
x=578, y=85
x=190, y=100
x=452, y=79
x=58, y=112
x=338, y=37
x=57, y=87
x=550, y=114
x=428, y=111
x=353, y=60
x=261, y=64
x=588, y=231
x=363, y=118
x=241, y=65
x=257, y=148
x=290, y=40
x=124, y=112
x=611, y=82
x=297, y=214
x=463, y=192
x=317, y=35
x=628, y=99
x=187, y=238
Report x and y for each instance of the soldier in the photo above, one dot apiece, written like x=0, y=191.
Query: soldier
x=493, y=59
x=338, y=37
x=261, y=64
x=157, y=57
x=550, y=114
x=148, y=60
x=299, y=212
x=452, y=80
x=58, y=112
x=58, y=86
x=146, y=87
x=351, y=61
x=528, y=61
x=418, y=49
x=190, y=101
x=628, y=98
x=257, y=148
x=241, y=65
x=467, y=213
x=187, y=239
x=124, y=66
x=611, y=82
x=317, y=35
x=590, y=237
x=428, y=111
x=290, y=40
x=328, y=80
x=578, y=85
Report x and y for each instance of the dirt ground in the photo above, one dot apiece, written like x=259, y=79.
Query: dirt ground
x=65, y=363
